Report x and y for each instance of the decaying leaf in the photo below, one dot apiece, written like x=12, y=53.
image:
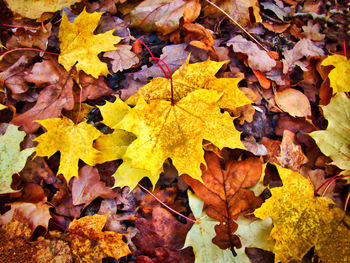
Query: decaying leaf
x=122, y=58
x=190, y=77
x=88, y=187
x=338, y=76
x=302, y=221
x=237, y=9
x=78, y=43
x=335, y=140
x=200, y=235
x=89, y=244
x=225, y=196
x=12, y=159
x=34, y=9
x=164, y=15
x=73, y=141
x=161, y=238
x=177, y=131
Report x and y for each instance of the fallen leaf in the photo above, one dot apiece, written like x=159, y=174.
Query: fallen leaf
x=253, y=233
x=89, y=244
x=122, y=58
x=338, y=80
x=92, y=88
x=73, y=141
x=88, y=187
x=312, y=32
x=225, y=196
x=334, y=141
x=12, y=159
x=190, y=77
x=57, y=95
x=78, y=43
x=198, y=36
x=176, y=131
x=293, y=102
x=161, y=237
x=113, y=112
x=35, y=214
x=302, y=221
x=303, y=48
x=200, y=235
x=34, y=9
x=257, y=59
x=237, y=9
x=164, y=16
x=57, y=251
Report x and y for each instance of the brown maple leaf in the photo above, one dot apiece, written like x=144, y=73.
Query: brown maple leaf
x=88, y=186
x=224, y=194
x=52, y=99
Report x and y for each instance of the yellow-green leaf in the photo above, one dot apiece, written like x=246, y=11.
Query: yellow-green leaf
x=190, y=77
x=302, y=221
x=176, y=131
x=12, y=159
x=201, y=234
x=339, y=76
x=79, y=44
x=335, y=140
x=73, y=141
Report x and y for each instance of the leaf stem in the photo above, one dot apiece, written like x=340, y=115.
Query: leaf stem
x=237, y=24
x=26, y=48
x=160, y=66
x=25, y=27
x=172, y=210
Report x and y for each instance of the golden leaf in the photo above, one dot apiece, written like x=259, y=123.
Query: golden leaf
x=12, y=159
x=302, y=221
x=73, y=141
x=339, y=76
x=176, y=131
x=79, y=44
x=335, y=140
x=190, y=77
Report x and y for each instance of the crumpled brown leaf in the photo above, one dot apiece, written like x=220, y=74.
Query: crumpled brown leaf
x=224, y=194
x=161, y=238
x=164, y=16
x=122, y=58
x=92, y=88
x=258, y=59
x=53, y=98
x=303, y=48
x=88, y=186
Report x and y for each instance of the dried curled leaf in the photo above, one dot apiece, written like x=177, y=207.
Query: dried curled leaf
x=200, y=235
x=12, y=159
x=335, y=140
x=176, y=131
x=78, y=43
x=191, y=77
x=338, y=76
x=302, y=221
x=89, y=244
x=225, y=196
x=73, y=141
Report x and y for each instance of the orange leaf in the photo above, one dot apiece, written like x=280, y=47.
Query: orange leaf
x=264, y=82
x=89, y=244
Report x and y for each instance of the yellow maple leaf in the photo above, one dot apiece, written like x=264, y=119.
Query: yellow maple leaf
x=35, y=8
x=335, y=140
x=2, y=107
x=89, y=244
x=73, y=141
x=302, y=221
x=12, y=159
x=190, y=77
x=165, y=130
x=339, y=76
x=79, y=44
x=113, y=112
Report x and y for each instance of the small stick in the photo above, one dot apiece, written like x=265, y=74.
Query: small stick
x=174, y=211
x=237, y=24
x=26, y=48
